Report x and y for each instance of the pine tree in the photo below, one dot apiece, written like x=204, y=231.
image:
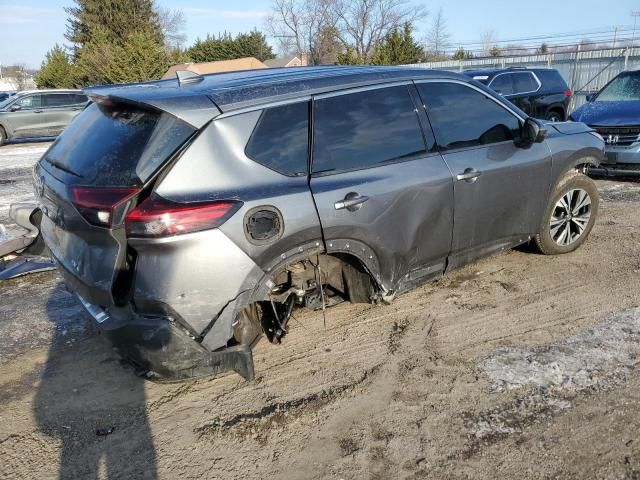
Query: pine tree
x=57, y=71
x=253, y=44
x=138, y=58
x=224, y=47
x=117, y=18
x=116, y=41
x=462, y=54
x=398, y=48
x=349, y=57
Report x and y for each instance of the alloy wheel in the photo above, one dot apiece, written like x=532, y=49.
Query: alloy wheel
x=570, y=217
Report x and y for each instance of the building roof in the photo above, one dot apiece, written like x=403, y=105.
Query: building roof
x=247, y=63
x=194, y=101
x=280, y=62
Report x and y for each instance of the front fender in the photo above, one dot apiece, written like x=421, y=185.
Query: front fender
x=571, y=151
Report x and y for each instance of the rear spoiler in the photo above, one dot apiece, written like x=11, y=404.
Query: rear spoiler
x=186, y=104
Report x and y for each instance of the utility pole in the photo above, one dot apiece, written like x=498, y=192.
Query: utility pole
x=635, y=14
x=615, y=36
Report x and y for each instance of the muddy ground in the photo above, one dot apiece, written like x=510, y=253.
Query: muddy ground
x=519, y=366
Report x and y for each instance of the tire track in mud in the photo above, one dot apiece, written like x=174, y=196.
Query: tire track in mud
x=281, y=413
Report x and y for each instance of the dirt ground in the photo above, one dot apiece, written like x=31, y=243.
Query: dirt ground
x=519, y=366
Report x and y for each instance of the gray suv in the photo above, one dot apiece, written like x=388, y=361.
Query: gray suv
x=39, y=113
x=192, y=216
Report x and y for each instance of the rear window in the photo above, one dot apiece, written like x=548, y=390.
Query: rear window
x=117, y=145
x=552, y=80
x=280, y=139
x=524, y=82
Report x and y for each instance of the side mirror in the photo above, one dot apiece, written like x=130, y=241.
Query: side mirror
x=590, y=97
x=15, y=108
x=532, y=132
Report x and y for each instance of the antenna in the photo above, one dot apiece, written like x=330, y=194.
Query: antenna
x=187, y=77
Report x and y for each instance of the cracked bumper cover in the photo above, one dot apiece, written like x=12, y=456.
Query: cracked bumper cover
x=163, y=347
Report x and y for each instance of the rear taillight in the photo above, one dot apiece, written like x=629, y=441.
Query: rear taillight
x=157, y=217
x=568, y=93
x=100, y=205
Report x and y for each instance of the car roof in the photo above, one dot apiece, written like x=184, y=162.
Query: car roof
x=235, y=90
x=494, y=71
x=50, y=90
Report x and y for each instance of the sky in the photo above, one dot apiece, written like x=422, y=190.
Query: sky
x=29, y=28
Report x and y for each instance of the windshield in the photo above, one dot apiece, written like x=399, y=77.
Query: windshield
x=625, y=87
x=117, y=144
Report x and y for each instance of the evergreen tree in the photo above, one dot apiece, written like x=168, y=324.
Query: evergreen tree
x=398, y=48
x=117, y=41
x=349, y=57
x=225, y=47
x=117, y=18
x=462, y=54
x=253, y=44
x=137, y=58
x=57, y=71
x=495, y=51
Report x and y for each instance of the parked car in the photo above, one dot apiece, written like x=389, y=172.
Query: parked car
x=192, y=215
x=39, y=113
x=539, y=92
x=614, y=112
x=5, y=95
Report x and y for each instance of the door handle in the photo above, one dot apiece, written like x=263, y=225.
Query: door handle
x=352, y=202
x=469, y=175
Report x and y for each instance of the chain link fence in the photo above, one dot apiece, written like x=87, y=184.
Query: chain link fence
x=585, y=72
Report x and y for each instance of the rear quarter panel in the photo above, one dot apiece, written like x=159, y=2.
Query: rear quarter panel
x=215, y=167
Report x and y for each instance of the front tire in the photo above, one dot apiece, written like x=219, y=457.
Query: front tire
x=3, y=136
x=554, y=116
x=570, y=215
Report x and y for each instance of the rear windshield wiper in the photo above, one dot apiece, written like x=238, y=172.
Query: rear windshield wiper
x=59, y=166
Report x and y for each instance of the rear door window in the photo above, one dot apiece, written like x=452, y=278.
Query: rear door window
x=463, y=117
x=117, y=144
x=57, y=99
x=524, y=82
x=503, y=84
x=280, y=139
x=78, y=98
x=365, y=129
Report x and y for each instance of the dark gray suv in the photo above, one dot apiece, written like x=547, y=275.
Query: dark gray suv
x=193, y=215
x=38, y=113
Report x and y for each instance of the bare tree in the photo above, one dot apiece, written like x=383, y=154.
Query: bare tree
x=438, y=36
x=362, y=24
x=488, y=41
x=302, y=26
x=173, y=24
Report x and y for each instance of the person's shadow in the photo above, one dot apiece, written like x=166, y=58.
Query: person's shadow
x=84, y=388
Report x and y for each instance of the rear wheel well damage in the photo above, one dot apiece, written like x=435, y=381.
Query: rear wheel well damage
x=314, y=281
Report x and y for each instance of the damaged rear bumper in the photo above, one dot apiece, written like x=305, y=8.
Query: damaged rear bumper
x=161, y=346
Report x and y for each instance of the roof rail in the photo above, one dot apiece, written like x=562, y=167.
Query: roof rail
x=186, y=77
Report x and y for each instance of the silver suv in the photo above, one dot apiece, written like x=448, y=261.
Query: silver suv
x=39, y=113
x=193, y=215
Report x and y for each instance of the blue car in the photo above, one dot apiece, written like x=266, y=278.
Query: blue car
x=614, y=112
